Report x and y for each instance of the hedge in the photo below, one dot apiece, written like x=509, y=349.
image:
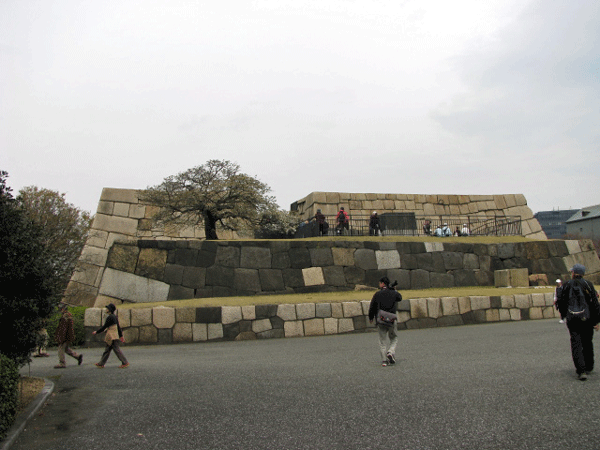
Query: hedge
x=9, y=393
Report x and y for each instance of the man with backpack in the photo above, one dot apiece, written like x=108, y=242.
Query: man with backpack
x=579, y=305
x=342, y=220
x=383, y=308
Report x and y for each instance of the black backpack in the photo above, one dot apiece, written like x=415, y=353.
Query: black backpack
x=578, y=306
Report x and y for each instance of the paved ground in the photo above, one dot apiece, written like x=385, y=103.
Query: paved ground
x=495, y=386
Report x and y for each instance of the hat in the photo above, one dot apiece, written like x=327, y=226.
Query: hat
x=558, y=280
x=112, y=308
x=445, y=224
x=578, y=269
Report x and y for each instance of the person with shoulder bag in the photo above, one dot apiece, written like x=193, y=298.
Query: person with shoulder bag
x=578, y=304
x=113, y=338
x=383, y=307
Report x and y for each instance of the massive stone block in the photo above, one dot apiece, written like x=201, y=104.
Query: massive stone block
x=334, y=276
x=272, y=279
x=313, y=276
x=115, y=224
x=365, y=259
x=321, y=257
x=163, y=317
x=151, y=263
x=387, y=259
x=255, y=257
x=305, y=311
x=246, y=280
x=132, y=288
x=123, y=257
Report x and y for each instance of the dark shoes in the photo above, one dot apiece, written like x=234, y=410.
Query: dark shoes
x=60, y=366
x=79, y=360
x=391, y=359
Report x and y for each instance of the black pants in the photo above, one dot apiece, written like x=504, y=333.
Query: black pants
x=582, y=347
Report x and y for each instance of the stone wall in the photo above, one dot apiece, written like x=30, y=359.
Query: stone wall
x=158, y=271
x=121, y=217
x=425, y=206
x=165, y=325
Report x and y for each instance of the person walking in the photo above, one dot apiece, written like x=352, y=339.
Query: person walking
x=113, y=338
x=384, y=305
x=578, y=303
x=557, y=295
x=64, y=336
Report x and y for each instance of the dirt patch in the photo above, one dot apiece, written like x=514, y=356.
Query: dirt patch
x=29, y=388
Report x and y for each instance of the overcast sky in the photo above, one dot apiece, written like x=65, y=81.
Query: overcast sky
x=421, y=97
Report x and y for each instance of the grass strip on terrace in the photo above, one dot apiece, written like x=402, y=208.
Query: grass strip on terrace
x=339, y=296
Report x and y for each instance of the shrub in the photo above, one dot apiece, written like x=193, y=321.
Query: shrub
x=78, y=316
x=9, y=393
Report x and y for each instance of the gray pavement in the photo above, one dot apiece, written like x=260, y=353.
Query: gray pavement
x=494, y=386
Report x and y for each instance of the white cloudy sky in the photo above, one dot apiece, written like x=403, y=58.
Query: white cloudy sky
x=464, y=97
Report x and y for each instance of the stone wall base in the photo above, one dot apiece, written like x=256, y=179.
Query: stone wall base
x=167, y=325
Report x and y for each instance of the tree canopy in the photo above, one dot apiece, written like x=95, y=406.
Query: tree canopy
x=213, y=193
x=64, y=227
x=29, y=285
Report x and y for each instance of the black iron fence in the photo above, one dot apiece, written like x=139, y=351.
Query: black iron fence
x=408, y=224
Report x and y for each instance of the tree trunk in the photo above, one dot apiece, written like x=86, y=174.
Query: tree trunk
x=210, y=226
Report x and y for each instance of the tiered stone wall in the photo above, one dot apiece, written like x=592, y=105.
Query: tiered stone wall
x=165, y=325
x=158, y=271
x=426, y=206
x=121, y=217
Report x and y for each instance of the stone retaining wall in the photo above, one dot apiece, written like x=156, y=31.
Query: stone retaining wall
x=156, y=271
x=165, y=325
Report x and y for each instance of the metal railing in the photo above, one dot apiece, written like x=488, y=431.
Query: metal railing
x=408, y=224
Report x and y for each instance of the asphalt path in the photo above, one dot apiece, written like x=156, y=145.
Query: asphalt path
x=494, y=386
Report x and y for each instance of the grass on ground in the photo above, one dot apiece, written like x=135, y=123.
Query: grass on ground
x=340, y=296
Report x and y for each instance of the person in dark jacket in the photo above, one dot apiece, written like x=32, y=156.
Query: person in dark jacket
x=322, y=223
x=386, y=299
x=581, y=331
x=64, y=336
x=374, y=225
x=113, y=338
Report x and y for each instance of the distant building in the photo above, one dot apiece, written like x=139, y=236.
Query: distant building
x=554, y=222
x=585, y=223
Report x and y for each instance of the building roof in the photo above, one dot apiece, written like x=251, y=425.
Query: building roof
x=587, y=213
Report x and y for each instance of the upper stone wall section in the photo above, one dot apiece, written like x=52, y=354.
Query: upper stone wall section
x=428, y=206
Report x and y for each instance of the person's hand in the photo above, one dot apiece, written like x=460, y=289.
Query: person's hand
x=123, y=339
x=94, y=332
x=597, y=327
